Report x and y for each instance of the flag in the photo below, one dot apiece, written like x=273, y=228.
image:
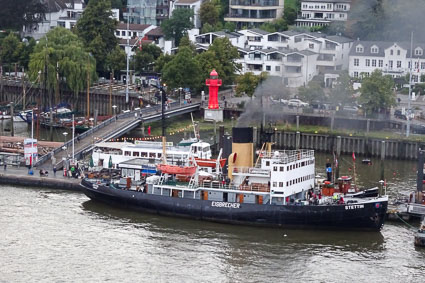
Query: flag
x=354, y=156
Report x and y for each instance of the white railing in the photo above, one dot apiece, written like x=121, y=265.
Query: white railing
x=251, y=171
x=288, y=156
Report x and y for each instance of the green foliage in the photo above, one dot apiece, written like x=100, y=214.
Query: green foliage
x=342, y=92
x=18, y=13
x=377, y=92
x=144, y=59
x=62, y=49
x=96, y=28
x=312, y=92
x=162, y=60
x=230, y=26
x=290, y=15
x=9, y=51
x=116, y=60
x=25, y=51
x=182, y=71
x=209, y=13
x=276, y=25
x=185, y=41
x=246, y=84
x=226, y=54
x=176, y=26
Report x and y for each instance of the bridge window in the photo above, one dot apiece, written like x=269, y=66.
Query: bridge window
x=144, y=154
x=282, y=168
x=135, y=153
x=274, y=168
x=159, y=155
x=127, y=153
x=152, y=155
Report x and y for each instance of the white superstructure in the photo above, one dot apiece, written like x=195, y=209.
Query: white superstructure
x=124, y=151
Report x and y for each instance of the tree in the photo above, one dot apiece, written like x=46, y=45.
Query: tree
x=9, y=51
x=209, y=13
x=290, y=15
x=162, y=60
x=312, y=92
x=343, y=91
x=61, y=53
x=377, y=93
x=18, y=13
x=116, y=60
x=96, y=28
x=208, y=61
x=246, y=84
x=226, y=54
x=176, y=26
x=144, y=59
x=182, y=71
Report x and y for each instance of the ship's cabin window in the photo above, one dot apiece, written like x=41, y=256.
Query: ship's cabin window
x=274, y=184
x=287, y=168
x=287, y=183
x=131, y=173
x=159, y=155
x=127, y=153
x=282, y=168
x=303, y=163
x=152, y=155
x=267, y=163
x=144, y=154
x=195, y=149
x=274, y=168
x=280, y=184
x=124, y=172
x=135, y=153
x=206, y=149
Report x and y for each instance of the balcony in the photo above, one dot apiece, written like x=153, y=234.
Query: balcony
x=258, y=3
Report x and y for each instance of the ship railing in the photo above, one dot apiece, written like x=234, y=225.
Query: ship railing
x=250, y=188
x=288, y=156
x=251, y=171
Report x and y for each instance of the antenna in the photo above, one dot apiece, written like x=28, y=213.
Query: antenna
x=410, y=86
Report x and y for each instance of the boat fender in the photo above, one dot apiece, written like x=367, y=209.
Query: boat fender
x=235, y=155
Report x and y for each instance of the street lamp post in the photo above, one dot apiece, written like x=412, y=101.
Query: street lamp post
x=115, y=112
x=65, y=134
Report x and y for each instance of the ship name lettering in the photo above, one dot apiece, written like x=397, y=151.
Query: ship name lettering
x=225, y=204
x=354, y=206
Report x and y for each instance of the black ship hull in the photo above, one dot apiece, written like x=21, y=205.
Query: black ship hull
x=363, y=216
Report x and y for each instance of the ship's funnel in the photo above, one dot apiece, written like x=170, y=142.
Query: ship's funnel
x=242, y=149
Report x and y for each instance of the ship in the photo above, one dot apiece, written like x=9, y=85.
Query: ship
x=279, y=190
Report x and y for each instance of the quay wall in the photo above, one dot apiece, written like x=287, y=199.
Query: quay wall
x=44, y=182
x=361, y=146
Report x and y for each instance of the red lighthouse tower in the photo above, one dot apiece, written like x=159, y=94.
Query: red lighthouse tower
x=213, y=83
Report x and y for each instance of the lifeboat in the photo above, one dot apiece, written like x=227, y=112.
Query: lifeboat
x=177, y=170
x=210, y=162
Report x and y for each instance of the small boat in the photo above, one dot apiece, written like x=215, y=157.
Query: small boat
x=366, y=161
x=176, y=169
x=212, y=163
x=420, y=235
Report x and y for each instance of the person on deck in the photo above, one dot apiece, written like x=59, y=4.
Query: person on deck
x=329, y=170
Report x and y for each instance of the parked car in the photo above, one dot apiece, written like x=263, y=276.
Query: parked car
x=399, y=114
x=284, y=101
x=349, y=108
x=297, y=103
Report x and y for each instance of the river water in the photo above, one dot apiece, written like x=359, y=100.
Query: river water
x=59, y=236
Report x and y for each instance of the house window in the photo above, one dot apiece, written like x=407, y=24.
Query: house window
x=416, y=65
x=356, y=62
x=398, y=64
x=356, y=74
x=311, y=46
x=374, y=50
x=359, y=49
x=367, y=62
x=342, y=16
x=277, y=68
x=123, y=33
x=268, y=68
x=418, y=51
x=390, y=63
x=373, y=62
x=398, y=52
x=391, y=52
x=422, y=65
x=117, y=33
x=380, y=63
x=409, y=65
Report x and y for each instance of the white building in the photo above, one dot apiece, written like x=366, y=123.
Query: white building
x=391, y=58
x=322, y=12
x=194, y=5
x=295, y=56
x=64, y=13
x=253, y=13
